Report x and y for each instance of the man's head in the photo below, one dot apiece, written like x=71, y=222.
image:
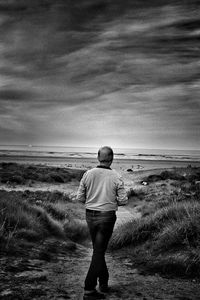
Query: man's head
x=105, y=155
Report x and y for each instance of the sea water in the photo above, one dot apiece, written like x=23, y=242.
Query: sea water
x=91, y=152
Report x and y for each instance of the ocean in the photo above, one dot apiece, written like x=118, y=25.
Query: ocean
x=91, y=152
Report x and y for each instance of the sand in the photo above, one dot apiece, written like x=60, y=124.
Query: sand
x=87, y=163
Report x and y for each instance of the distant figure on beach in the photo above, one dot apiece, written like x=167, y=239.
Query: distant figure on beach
x=102, y=191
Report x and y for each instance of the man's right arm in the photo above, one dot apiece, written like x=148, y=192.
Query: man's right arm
x=81, y=194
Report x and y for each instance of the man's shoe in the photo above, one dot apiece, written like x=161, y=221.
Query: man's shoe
x=93, y=296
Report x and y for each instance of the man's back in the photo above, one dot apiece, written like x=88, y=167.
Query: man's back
x=102, y=189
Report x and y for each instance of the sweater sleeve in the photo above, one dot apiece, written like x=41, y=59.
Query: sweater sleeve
x=122, y=198
x=81, y=194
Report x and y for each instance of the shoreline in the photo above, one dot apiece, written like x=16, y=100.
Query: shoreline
x=2, y=156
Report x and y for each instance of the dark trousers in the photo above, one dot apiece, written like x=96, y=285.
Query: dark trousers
x=101, y=226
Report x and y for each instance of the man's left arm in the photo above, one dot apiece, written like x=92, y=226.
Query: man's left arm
x=122, y=198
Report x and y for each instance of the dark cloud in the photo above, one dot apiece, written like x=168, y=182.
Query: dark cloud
x=16, y=95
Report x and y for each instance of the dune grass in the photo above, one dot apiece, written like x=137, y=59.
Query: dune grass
x=14, y=173
x=19, y=219
x=166, y=241
x=166, y=238
x=30, y=219
x=35, y=216
x=162, y=193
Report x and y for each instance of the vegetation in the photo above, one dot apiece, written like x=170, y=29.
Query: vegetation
x=35, y=216
x=190, y=174
x=21, y=174
x=167, y=237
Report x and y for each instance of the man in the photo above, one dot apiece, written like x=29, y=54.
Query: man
x=102, y=190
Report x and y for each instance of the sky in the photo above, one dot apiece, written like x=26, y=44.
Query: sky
x=90, y=73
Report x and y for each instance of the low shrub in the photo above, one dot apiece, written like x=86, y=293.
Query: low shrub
x=30, y=174
x=9, y=165
x=16, y=179
x=193, y=177
x=57, y=178
x=12, y=178
x=37, y=173
x=153, y=178
x=164, y=175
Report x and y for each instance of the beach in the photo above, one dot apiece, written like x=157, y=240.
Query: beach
x=131, y=170
x=82, y=161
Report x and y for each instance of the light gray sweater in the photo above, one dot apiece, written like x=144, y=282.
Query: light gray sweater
x=102, y=189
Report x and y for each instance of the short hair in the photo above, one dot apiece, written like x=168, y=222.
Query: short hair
x=105, y=154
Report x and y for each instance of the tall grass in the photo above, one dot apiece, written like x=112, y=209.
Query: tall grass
x=24, y=219
x=17, y=216
x=171, y=236
x=139, y=230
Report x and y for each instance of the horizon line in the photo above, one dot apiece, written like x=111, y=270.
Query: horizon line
x=64, y=146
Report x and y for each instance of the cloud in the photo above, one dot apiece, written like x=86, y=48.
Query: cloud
x=15, y=94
